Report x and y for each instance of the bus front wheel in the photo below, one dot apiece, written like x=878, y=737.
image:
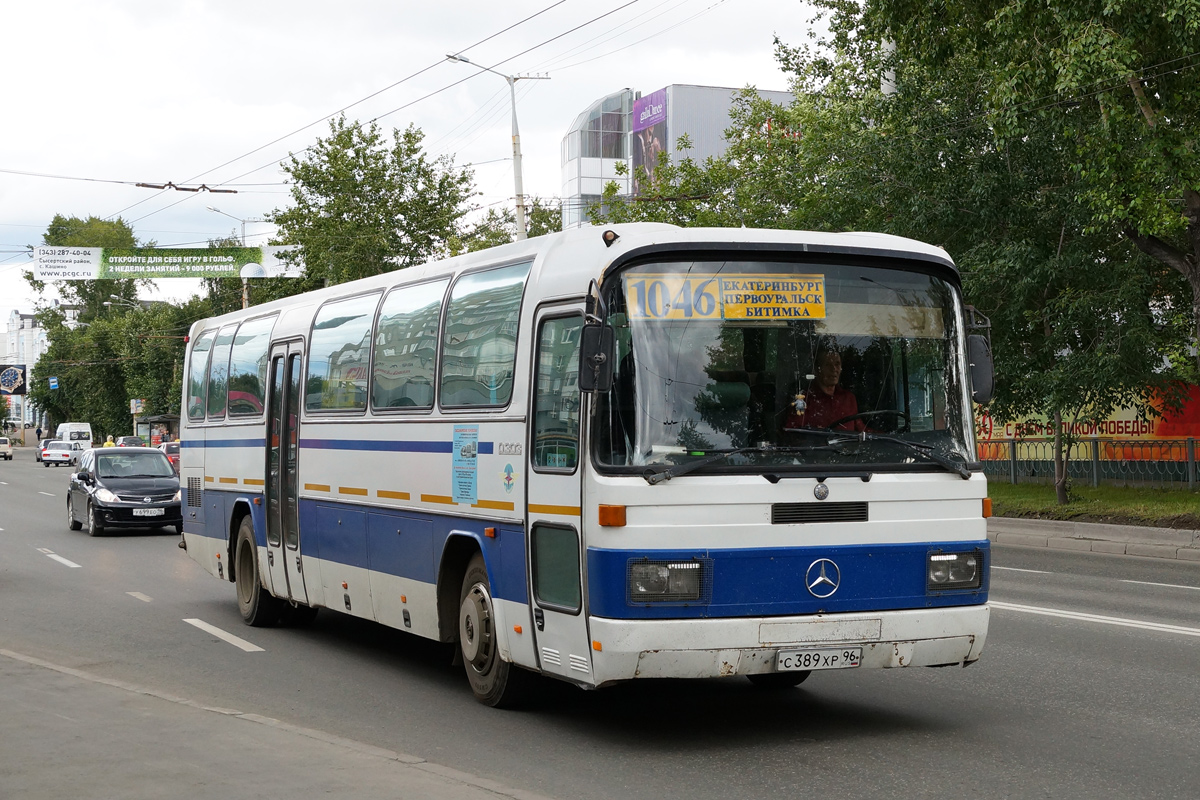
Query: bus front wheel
x=259, y=609
x=493, y=680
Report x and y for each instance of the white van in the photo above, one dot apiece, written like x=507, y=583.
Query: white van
x=74, y=432
x=5, y=448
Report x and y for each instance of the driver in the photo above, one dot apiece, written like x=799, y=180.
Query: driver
x=825, y=402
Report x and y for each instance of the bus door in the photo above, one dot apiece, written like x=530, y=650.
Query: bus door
x=555, y=551
x=283, y=450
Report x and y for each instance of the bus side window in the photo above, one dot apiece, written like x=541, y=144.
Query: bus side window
x=248, y=368
x=479, y=351
x=556, y=398
x=197, y=372
x=339, y=355
x=218, y=372
x=406, y=347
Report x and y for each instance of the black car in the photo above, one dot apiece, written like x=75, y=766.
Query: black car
x=126, y=487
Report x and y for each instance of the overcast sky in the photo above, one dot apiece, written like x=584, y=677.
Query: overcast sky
x=101, y=95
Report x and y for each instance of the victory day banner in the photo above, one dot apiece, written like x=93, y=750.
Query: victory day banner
x=90, y=263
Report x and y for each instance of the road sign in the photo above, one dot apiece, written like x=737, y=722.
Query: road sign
x=54, y=383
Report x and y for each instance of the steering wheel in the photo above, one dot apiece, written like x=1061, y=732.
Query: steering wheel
x=899, y=415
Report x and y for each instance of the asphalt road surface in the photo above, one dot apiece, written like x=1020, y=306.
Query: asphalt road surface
x=1088, y=688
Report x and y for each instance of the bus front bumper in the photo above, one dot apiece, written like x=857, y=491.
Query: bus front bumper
x=715, y=648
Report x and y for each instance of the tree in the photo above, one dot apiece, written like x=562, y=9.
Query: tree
x=89, y=296
x=362, y=206
x=500, y=227
x=1079, y=325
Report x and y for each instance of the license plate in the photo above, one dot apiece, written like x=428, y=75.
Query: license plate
x=149, y=512
x=831, y=658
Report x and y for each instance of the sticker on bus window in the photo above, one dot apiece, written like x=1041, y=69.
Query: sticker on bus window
x=740, y=296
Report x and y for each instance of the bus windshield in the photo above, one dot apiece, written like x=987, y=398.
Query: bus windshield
x=771, y=366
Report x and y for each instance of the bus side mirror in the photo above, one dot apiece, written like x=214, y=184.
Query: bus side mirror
x=595, y=358
x=979, y=357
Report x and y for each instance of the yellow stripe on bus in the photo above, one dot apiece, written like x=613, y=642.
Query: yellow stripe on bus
x=254, y=482
x=391, y=495
x=208, y=478
x=437, y=498
x=316, y=487
x=226, y=480
x=564, y=511
x=352, y=490
x=499, y=505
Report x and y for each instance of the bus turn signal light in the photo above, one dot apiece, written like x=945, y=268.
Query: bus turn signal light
x=987, y=507
x=612, y=516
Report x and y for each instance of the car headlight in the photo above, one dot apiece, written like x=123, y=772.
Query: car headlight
x=954, y=570
x=178, y=496
x=105, y=496
x=665, y=581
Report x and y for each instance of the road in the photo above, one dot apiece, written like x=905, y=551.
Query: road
x=1087, y=689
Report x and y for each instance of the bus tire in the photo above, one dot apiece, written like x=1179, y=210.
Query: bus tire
x=259, y=609
x=494, y=681
x=774, y=681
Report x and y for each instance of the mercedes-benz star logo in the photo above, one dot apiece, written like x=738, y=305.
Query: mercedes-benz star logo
x=822, y=578
x=820, y=491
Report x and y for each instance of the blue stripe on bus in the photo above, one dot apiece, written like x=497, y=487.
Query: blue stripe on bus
x=224, y=443
x=766, y=582
x=485, y=448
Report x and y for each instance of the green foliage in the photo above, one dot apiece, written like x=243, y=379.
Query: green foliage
x=89, y=296
x=362, y=206
x=499, y=227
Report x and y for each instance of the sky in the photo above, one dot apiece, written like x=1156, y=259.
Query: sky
x=100, y=95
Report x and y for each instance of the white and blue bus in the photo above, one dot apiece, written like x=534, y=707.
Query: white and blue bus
x=600, y=455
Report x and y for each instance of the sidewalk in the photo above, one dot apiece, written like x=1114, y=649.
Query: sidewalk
x=70, y=734
x=1130, y=540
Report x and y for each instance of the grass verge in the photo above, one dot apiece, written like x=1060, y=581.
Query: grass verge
x=1162, y=508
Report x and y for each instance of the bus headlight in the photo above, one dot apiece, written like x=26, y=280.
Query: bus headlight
x=954, y=570
x=665, y=581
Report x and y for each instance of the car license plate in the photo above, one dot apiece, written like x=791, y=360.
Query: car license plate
x=832, y=658
x=148, y=512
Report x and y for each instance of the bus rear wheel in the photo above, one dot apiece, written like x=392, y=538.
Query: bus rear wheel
x=259, y=609
x=773, y=681
x=494, y=681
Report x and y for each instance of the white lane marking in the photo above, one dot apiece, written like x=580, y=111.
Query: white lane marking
x=1014, y=569
x=1167, y=585
x=58, y=558
x=228, y=637
x=139, y=596
x=48, y=494
x=1076, y=615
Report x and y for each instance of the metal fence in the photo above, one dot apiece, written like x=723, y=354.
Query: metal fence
x=1163, y=463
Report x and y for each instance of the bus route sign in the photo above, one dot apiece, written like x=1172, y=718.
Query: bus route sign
x=743, y=296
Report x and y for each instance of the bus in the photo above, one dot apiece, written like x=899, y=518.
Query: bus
x=593, y=456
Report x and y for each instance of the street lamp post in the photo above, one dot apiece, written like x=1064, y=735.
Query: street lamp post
x=516, y=136
x=245, y=281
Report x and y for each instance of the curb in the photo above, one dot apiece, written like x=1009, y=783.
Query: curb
x=1096, y=537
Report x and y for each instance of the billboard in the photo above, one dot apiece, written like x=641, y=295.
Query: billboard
x=13, y=379
x=1125, y=434
x=90, y=263
x=649, y=133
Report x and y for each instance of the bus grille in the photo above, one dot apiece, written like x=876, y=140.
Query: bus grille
x=194, y=489
x=799, y=513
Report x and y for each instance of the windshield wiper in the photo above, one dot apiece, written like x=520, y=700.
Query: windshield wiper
x=925, y=450
x=656, y=476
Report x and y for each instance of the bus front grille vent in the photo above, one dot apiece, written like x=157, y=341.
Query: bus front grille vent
x=194, y=489
x=800, y=513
